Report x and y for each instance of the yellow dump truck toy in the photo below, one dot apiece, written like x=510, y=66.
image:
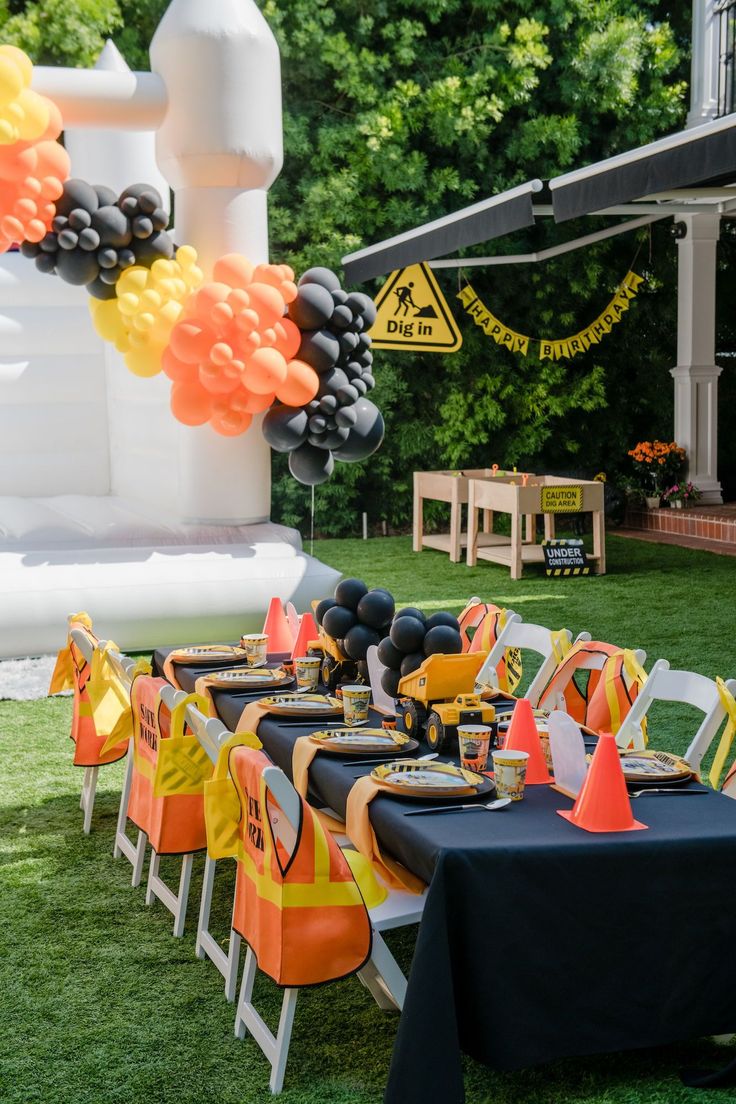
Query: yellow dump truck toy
x=440, y=695
x=336, y=666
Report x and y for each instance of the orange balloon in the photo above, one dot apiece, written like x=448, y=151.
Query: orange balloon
x=264, y=371
x=233, y=269
x=300, y=386
x=267, y=302
x=177, y=369
x=231, y=424
x=206, y=300
x=249, y=402
x=215, y=380
x=288, y=338
x=190, y=404
x=191, y=342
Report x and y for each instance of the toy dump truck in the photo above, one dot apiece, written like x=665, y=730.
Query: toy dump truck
x=336, y=666
x=440, y=695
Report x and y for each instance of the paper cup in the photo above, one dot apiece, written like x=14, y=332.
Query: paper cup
x=355, y=701
x=509, y=769
x=475, y=744
x=307, y=670
x=255, y=646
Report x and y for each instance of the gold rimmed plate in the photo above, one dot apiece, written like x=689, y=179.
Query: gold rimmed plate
x=414, y=778
x=251, y=678
x=366, y=741
x=654, y=768
x=207, y=653
x=303, y=705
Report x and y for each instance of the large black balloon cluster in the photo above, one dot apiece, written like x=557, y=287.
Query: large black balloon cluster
x=340, y=423
x=414, y=637
x=356, y=617
x=96, y=235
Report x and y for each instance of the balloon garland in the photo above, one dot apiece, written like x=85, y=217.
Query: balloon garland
x=245, y=341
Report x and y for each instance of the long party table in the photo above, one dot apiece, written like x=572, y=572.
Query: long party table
x=538, y=940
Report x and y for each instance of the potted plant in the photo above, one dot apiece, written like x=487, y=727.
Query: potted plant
x=659, y=465
x=681, y=495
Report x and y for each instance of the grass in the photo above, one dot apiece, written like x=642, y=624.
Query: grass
x=100, y=1005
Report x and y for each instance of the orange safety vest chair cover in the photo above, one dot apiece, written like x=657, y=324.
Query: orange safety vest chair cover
x=297, y=904
x=169, y=772
x=609, y=693
x=72, y=672
x=480, y=624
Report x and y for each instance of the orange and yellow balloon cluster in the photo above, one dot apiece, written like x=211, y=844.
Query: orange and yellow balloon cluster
x=33, y=166
x=233, y=351
x=148, y=304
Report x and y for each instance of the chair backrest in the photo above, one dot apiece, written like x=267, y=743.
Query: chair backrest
x=211, y=733
x=687, y=688
x=529, y=637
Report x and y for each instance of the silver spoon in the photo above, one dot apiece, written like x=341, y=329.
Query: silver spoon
x=664, y=790
x=491, y=806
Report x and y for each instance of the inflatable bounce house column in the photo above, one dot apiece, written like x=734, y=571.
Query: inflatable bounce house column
x=220, y=147
x=142, y=435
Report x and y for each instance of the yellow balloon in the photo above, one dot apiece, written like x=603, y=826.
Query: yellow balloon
x=144, y=362
x=11, y=80
x=21, y=60
x=35, y=115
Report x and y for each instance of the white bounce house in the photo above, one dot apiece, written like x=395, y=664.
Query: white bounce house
x=108, y=504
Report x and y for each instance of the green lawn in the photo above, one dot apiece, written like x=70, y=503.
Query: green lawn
x=100, y=1004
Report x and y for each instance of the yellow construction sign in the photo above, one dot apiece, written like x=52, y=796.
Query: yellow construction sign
x=413, y=314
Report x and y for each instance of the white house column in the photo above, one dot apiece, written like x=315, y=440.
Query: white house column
x=220, y=147
x=696, y=374
x=705, y=64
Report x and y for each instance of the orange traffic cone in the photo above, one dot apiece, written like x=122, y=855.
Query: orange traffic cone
x=603, y=804
x=307, y=631
x=276, y=628
x=523, y=736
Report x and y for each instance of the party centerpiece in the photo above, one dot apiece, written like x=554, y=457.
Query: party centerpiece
x=658, y=465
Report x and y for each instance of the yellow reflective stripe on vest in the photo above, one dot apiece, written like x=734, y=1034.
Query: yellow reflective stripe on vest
x=729, y=704
x=560, y=644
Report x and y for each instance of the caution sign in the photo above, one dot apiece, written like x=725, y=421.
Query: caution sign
x=561, y=499
x=565, y=557
x=413, y=314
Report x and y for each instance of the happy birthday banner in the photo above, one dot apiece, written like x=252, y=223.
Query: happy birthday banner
x=565, y=347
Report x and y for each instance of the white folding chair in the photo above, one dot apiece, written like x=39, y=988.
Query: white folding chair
x=587, y=661
x=382, y=975
x=530, y=638
x=211, y=733
x=687, y=688
x=87, y=646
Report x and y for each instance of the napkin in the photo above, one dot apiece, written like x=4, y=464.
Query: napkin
x=202, y=687
x=251, y=716
x=302, y=755
x=169, y=672
x=361, y=834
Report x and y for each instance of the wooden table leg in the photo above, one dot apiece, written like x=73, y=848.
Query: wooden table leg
x=599, y=541
x=418, y=514
x=516, y=542
x=488, y=521
x=471, y=554
x=455, y=525
x=549, y=526
x=530, y=523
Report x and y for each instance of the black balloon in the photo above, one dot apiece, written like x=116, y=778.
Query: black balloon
x=390, y=682
x=322, y=608
x=376, y=608
x=443, y=618
x=320, y=349
x=366, y=435
x=285, y=428
x=359, y=640
x=389, y=654
x=310, y=465
x=410, y=663
x=349, y=592
x=410, y=611
x=325, y=277
x=442, y=639
x=312, y=307
x=338, y=621
x=407, y=634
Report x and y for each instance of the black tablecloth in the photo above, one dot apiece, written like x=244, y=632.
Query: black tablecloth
x=540, y=941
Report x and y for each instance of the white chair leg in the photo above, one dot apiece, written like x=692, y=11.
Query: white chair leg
x=138, y=853
x=176, y=903
x=87, y=800
x=207, y=946
x=371, y=979
x=275, y=1047
x=389, y=970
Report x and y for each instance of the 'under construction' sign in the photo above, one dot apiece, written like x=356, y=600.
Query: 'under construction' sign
x=565, y=557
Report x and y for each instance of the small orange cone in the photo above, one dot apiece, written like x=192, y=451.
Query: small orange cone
x=307, y=631
x=603, y=804
x=523, y=736
x=276, y=628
